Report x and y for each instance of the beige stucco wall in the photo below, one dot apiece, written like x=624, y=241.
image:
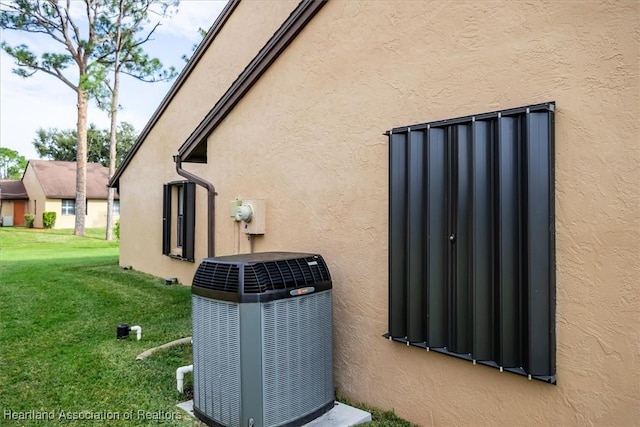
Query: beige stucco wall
x=308, y=139
x=6, y=208
x=37, y=199
x=246, y=31
x=96, y=214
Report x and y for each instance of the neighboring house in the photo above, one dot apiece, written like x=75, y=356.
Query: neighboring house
x=14, y=201
x=503, y=229
x=51, y=185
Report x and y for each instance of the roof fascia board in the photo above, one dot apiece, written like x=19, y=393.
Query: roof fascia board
x=287, y=32
x=182, y=78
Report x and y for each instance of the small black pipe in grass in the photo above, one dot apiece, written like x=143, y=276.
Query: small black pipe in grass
x=122, y=331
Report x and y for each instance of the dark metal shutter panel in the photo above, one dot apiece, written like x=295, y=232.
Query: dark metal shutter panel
x=437, y=238
x=459, y=299
x=540, y=239
x=507, y=250
x=397, y=234
x=166, y=219
x=189, y=218
x=415, y=238
x=481, y=242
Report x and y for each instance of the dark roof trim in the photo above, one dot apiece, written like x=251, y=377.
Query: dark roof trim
x=287, y=32
x=182, y=78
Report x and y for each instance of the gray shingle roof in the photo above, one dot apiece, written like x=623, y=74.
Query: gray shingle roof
x=12, y=190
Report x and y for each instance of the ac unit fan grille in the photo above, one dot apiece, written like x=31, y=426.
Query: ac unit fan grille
x=264, y=276
x=217, y=276
x=284, y=274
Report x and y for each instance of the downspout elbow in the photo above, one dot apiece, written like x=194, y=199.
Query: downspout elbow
x=211, y=203
x=190, y=176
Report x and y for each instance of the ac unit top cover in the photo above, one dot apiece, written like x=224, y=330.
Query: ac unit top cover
x=261, y=276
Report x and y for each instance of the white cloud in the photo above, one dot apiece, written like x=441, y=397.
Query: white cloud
x=43, y=101
x=27, y=104
x=191, y=15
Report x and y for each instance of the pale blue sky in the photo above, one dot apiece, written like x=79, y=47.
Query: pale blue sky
x=44, y=101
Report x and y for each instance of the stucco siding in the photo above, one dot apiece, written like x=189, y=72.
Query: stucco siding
x=7, y=208
x=37, y=199
x=96, y=214
x=62, y=221
x=308, y=138
x=246, y=31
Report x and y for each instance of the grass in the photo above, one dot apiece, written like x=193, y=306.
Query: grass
x=61, y=298
x=380, y=418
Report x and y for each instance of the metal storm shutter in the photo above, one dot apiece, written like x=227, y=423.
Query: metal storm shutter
x=472, y=239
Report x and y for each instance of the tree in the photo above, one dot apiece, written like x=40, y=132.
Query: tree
x=203, y=33
x=76, y=40
x=122, y=53
x=57, y=144
x=12, y=164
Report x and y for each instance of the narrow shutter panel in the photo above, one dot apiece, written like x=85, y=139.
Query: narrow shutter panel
x=189, y=218
x=166, y=220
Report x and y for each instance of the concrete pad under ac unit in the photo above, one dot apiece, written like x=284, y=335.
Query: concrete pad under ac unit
x=340, y=416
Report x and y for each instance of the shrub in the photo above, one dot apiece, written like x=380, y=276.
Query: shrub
x=116, y=229
x=48, y=219
x=28, y=220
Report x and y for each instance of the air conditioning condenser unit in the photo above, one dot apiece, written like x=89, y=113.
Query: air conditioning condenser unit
x=262, y=340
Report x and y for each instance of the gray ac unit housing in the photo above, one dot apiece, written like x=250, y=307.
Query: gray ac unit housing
x=262, y=340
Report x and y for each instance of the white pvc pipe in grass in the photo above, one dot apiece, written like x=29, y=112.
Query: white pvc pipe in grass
x=180, y=376
x=138, y=329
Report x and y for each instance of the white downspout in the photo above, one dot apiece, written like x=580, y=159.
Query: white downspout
x=180, y=376
x=138, y=329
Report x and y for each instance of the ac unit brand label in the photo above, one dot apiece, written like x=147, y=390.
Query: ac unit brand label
x=312, y=263
x=302, y=291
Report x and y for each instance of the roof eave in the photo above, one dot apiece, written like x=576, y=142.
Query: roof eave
x=182, y=78
x=194, y=148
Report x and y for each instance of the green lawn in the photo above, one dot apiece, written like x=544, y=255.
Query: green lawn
x=61, y=298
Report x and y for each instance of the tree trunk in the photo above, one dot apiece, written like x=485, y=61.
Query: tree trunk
x=112, y=153
x=81, y=161
x=113, y=141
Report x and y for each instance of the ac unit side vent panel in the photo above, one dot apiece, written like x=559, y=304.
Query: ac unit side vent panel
x=216, y=327
x=296, y=331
